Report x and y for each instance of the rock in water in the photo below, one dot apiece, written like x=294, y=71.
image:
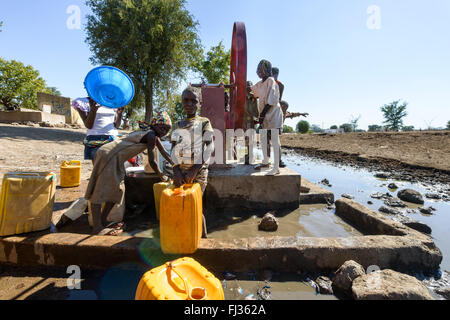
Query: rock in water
x=268, y=223
x=410, y=195
x=392, y=186
x=345, y=195
x=389, y=210
x=394, y=202
x=413, y=224
x=381, y=175
x=345, y=275
x=434, y=196
x=324, y=285
x=389, y=285
x=428, y=211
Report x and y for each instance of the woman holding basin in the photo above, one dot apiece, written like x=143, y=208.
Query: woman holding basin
x=113, y=89
x=102, y=124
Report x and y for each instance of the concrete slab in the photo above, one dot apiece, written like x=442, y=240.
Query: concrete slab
x=31, y=115
x=391, y=245
x=243, y=187
x=235, y=187
x=311, y=193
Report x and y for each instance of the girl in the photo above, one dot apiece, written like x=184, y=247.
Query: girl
x=109, y=170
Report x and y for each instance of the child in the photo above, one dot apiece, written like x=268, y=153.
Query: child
x=109, y=170
x=187, y=168
x=271, y=116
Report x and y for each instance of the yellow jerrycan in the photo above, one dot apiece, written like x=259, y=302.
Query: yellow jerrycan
x=70, y=174
x=158, y=189
x=26, y=202
x=182, y=279
x=180, y=223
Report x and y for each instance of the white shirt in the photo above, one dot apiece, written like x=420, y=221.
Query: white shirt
x=268, y=92
x=104, y=123
x=104, y=120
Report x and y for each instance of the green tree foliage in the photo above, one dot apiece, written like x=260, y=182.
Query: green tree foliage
x=393, y=114
x=375, y=128
x=448, y=125
x=348, y=127
x=334, y=127
x=287, y=129
x=154, y=41
x=215, y=66
x=303, y=126
x=354, y=122
x=19, y=84
x=408, y=128
x=1, y=25
x=54, y=91
x=316, y=129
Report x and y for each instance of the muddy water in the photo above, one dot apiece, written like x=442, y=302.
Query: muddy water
x=361, y=183
x=307, y=221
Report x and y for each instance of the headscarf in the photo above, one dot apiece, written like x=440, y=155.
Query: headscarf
x=266, y=68
x=163, y=118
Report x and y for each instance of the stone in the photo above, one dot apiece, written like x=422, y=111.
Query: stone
x=348, y=196
x=324, y=285
x=381, y=175
x=326, y=182
x=377, y=195
x=413, y=224
x=345, y=275
x=268, y=223
x=434, y=196
x=389, y=210
x=428, y=211
x=392, y=186
x=389, y=285
x=410, y=195
x=394, y=202
x=369, y=202
x=444, y=292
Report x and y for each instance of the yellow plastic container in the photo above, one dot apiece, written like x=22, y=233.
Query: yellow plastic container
x=158, y=189
x=182, y=279
x=70, y=174
x=181, y=219
x=26, y=202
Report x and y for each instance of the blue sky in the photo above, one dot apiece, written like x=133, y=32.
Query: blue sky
x=332, y=64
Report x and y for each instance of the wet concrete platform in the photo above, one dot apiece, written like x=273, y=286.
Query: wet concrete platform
x=387, y=244
x=233, y=187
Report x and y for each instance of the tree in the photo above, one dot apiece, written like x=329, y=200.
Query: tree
x=348, y=127
x=1, y=25
x=393, y=114
x=287, y=129
x=303, y=126
x=19, y=84
x=154, y=41
x=448, y=125
x=215, y=67
x=354, y=122
x=375, y=128
x=54, y=91
x=408, y=128
x=316, y=129
x=334, y=127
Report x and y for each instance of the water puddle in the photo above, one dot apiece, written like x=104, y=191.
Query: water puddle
x=361, y=184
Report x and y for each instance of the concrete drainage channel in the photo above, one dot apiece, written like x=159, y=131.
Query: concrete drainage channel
x=387, y=245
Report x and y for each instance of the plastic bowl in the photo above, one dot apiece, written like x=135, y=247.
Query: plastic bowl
x=109, y=87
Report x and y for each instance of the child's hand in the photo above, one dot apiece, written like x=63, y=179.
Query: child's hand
x=190, y=176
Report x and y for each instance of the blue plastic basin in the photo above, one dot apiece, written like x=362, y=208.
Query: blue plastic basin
x=109, y=87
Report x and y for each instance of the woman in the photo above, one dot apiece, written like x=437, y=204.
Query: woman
x=192, y=146
x=102, y=124
x=109, y=169
x=271, y=115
